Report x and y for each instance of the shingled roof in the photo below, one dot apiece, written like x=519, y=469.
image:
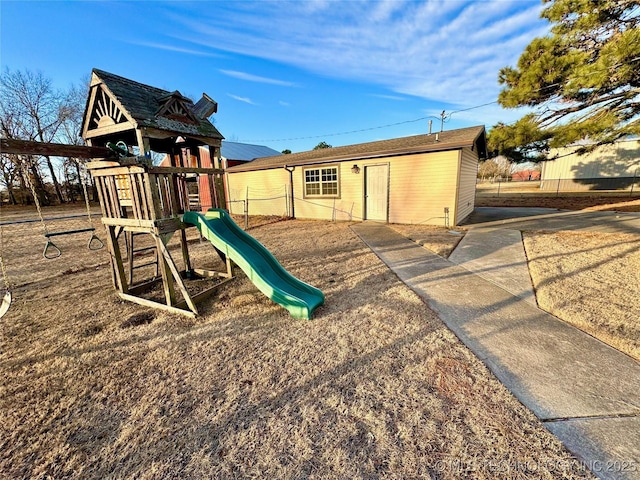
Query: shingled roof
x=150, y=107
x=435, y=142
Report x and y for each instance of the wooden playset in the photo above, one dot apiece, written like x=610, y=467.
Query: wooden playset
x=141, y=200
x=145, y=206
x=137, y=200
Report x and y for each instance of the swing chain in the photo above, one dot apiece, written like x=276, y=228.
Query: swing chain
x=94, y=242
x=83, y=178
x=36, y=200
x=6, y=298
x=51, y=250
x=5, y=275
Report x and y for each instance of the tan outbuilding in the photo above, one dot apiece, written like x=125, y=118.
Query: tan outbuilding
x=428, y=179
x=607, y=167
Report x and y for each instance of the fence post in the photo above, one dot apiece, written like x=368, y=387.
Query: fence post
x=246, y=209
x=499, y=182
x=558, y=188
x=635, y=173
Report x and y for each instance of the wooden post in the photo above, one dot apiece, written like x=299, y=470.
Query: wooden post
x=143, y=144
x=173, y=273
x=185, y=250
x=167, y=276
x=212, y=190
x=128, y=236
x=219, y=189
x=117, y=267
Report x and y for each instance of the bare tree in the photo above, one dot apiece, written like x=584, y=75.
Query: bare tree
x=40, y=110
x=8, y=175
x=17, y=167
x=497, y=167
x=70, y=134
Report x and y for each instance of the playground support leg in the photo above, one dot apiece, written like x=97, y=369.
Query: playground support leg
x=167, y=276
x=115, y=255
x=185, y=250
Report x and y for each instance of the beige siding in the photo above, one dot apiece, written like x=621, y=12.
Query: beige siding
x=347, y=207
x=466, y=185
x=266, y=190
x=422, y=186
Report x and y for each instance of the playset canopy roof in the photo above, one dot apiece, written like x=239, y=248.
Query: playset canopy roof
x=119, y=109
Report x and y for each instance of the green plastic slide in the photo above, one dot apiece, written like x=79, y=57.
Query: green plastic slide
x=256, y=262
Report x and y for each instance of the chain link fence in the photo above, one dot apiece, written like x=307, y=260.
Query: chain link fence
x=558, y=186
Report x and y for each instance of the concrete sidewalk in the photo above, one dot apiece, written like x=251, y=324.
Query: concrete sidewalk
x=584, y=391
x=497, y=255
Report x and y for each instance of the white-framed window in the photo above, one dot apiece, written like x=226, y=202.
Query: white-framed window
x=322, y=182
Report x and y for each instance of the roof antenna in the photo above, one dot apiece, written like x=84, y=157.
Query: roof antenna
x=430, y=125
x=442, y=115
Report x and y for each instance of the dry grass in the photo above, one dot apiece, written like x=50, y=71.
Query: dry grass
x=591, y=280
x=375, y=386
x=439, y=240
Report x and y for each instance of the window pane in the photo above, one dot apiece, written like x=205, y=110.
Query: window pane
x=312, y=189
x=329, y=174
x=321, y=182
x=330, y=188
x=312, y=175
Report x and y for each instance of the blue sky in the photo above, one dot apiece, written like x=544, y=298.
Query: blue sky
x=289, y=74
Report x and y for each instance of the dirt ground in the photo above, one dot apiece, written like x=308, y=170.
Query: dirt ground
x=374, y=386
x=566, y=202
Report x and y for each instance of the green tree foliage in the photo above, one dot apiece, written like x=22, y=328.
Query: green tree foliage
x=322, y=145
x=286, y=151
x=582, y=80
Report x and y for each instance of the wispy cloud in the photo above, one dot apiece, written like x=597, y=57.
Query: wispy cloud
x=388, y=97
x=255, y=78
x=242, y=99
x=174, y=48
x=284, y=104
x=446, y=51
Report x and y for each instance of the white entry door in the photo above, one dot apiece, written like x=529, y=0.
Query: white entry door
x=376, y=192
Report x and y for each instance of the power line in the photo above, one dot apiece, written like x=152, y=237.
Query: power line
x=345, y=133
x=443, y=118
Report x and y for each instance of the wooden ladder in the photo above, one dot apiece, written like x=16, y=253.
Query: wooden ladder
x=142, y=251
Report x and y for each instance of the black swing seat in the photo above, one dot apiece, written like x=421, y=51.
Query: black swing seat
x=69, y=232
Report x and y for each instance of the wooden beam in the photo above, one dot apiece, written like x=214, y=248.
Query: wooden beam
x=158, y=305
x=170, y=264
x=198, y=297
x=159, y=134
x=24, y=147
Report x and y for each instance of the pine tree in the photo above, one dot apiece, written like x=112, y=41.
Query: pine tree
x=582, y=80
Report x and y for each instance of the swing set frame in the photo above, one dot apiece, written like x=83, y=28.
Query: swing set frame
x=24, y=147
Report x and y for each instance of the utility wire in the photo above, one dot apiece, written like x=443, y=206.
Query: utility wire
x=345, y=133
x=446, y=117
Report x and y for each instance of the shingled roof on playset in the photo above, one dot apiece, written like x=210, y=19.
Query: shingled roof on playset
x=144, y=103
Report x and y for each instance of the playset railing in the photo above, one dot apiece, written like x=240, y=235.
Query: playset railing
x=139, y=199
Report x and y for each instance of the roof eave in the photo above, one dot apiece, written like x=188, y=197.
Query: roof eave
x=352, y=157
